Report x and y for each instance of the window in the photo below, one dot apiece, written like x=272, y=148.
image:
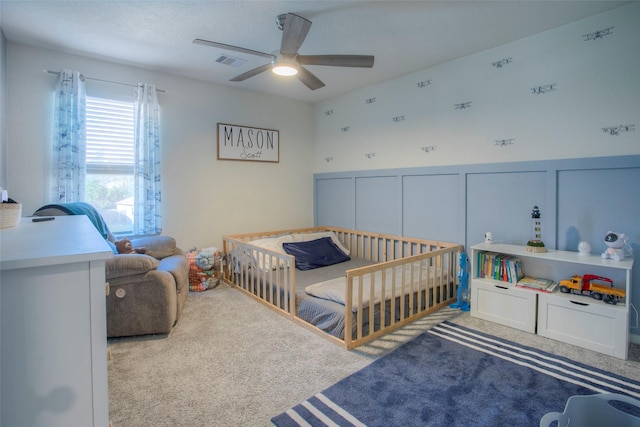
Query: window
x=110, y=159
x=123, y=148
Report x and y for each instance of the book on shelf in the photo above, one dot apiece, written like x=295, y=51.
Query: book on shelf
x=537, y=283
x=497, y=266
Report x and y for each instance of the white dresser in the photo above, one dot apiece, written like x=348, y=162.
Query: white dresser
x=53, y=342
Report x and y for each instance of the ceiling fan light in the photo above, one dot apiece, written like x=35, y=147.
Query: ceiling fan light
x=285, y=69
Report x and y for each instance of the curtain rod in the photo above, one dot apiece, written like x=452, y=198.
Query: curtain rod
x=104, y=81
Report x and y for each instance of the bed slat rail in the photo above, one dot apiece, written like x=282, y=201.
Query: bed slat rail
x=384, y=247
x=410, y=278
x=261, y=273
x=401, y=291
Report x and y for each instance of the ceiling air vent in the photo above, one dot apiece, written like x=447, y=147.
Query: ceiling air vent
x=230, y=61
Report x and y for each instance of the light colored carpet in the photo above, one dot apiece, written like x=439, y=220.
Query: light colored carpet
x=232, y=362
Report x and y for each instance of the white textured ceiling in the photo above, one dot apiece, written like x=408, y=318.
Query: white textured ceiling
x=404, y=36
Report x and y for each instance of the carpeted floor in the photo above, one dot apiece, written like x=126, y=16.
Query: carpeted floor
x=232, y=362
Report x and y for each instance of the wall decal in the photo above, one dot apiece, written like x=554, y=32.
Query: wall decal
x=328, y=159
x=503, y=142
x=328, y=112
x=346, y=129
x=615, y=130
x=598, y=34
x=462, y=105
x=248, y=143
x=369, y=155
x=429, y=148
x=500, y=63
x=370, y=100
x=544, y=89
x=423, y=83
x=398, y=119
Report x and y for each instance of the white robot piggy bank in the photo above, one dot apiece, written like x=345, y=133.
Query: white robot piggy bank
x=615, y=246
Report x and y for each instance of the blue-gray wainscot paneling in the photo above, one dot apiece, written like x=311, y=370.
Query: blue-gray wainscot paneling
x=579, y=199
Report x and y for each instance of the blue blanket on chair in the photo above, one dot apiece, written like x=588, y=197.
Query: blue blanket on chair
x=82, y=208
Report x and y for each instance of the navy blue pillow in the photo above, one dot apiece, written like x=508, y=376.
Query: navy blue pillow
x=315, y=253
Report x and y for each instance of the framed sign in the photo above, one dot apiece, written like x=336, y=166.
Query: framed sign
x=248, y=143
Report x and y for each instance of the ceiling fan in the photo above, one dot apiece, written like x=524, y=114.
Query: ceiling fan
x=287, y=61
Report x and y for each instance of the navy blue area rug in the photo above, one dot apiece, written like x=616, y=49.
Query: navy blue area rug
x=455, y=376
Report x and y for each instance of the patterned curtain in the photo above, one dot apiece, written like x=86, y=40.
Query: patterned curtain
x=69, y=139
x=147, y=196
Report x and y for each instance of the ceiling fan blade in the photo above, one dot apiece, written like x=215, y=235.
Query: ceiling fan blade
x=251, y=73
x=362, y=61
x=309, y=80
x=294, y=32
x=233, y=48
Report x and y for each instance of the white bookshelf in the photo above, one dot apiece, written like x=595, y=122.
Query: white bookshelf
x=575, y=319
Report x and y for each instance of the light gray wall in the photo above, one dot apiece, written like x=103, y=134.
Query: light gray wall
x=3, y=112
x=3, y=121
x=373, y=173
x=596, y=84
x=203, y=198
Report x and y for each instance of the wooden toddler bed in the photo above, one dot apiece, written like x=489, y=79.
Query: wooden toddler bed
x=366, y=283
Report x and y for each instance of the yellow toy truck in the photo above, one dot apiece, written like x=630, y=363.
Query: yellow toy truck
x=585, y=285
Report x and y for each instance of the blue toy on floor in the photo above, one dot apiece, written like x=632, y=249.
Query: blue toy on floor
x=463, y=285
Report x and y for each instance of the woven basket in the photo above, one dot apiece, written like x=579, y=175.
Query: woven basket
x=10, y=214
x=202, y=280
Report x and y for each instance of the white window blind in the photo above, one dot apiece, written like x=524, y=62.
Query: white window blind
x=110, y=135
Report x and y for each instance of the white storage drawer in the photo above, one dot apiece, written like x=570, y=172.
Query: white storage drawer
x=503, y=303
x=584, y=322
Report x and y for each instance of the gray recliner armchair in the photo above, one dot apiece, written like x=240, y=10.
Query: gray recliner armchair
x=147, y=293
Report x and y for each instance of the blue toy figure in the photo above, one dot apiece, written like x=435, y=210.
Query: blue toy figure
x=463, y=285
